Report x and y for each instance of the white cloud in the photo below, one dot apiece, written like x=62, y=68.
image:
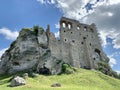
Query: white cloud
x=105, y=14
x=118, y=72
x=116, y=54
x=57, y=25
x=72, y=8
x=2, y=51
x=47, y=1
x=10, y=35
x=57, y=34
x=106, y=17
x=112, y=61
x=111, y=2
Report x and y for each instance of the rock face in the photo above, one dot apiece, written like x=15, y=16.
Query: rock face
x=29, y=52
x=17, y=81
x=37, y=50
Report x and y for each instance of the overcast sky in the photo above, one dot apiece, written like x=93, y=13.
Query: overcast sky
x=16, y=14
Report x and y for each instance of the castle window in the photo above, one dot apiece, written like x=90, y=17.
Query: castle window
x=82, y=43
x=64, y=30
x=94, y=58
x=97, y=51
x=73, y=41
x=65, y=40
x=69, y=26
x=85, y=28
x=78, y=28
x=64, y=25
x=84, y=38
x=90, y=44
x=91, y=30
x=71, y=32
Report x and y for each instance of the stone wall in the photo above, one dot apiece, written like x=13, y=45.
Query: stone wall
x=79, y=44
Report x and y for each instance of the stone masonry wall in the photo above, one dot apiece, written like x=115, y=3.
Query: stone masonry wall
x=79, y=44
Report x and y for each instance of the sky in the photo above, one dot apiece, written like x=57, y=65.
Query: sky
x=17, y=14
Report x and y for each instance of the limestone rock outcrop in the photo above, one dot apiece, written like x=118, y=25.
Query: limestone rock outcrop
x=29, y=52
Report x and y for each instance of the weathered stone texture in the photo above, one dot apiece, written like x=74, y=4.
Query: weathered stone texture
x=79, y=46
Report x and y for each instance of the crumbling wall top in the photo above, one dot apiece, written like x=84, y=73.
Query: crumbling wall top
x=71, y=23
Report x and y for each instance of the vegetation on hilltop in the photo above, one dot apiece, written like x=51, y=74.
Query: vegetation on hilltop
x=80, y=80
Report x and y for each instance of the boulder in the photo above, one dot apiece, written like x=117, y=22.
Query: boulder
x=17, y=81
x=56, y=85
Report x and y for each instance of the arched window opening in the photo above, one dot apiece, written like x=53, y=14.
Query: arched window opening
x=85, y=28
x=63, y=25
x=78, y=28
x=97, y=51
x=97, y=55
x=69, y=26
x=91, y=30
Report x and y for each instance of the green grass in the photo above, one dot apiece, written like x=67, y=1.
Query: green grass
x=80, y=80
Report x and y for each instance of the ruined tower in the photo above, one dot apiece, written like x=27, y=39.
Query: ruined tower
x=79, y=44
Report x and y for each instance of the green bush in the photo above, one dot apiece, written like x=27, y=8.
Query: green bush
x=41, y=30
x=105, y=68
x=36, y=28
x=67, y=69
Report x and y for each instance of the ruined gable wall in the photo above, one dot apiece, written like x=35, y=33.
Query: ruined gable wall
x=79, y=44
x=72, y=33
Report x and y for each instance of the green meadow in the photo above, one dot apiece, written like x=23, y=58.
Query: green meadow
x=80, y=80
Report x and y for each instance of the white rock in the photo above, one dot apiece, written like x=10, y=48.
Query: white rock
x=17, y=81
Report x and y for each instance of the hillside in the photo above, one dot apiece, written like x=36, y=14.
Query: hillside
x=80, y=80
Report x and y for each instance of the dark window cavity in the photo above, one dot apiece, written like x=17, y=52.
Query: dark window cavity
x=90, y=44
x=73, y=41
x=82, y=42
x=84, y=38
x=85, y=28
x=65, y=40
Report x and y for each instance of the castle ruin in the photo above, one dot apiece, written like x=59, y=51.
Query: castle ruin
x=79, y=44
x=37, y=50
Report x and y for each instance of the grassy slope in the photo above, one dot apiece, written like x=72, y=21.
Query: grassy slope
x=81, y=80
